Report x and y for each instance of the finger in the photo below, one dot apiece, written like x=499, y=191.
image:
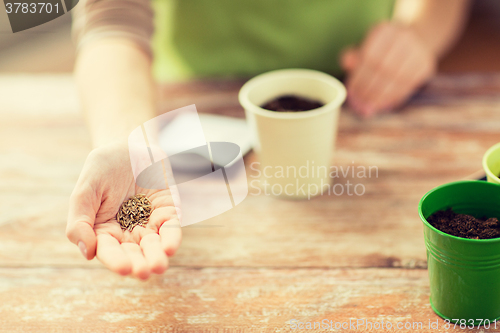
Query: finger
x=395, y=92
x=171, y=236
x=153, y=252
x=349, y=59
x=378, y=41
x=161, y=215
x=394, y=95
x=357, y=84
x=383, y=60
x=112, y=255
x=140, y=267
x=412, y=64
x=365, y=80
x=416, y=69
x=354, y=106
x=377, y=83
x=174, y=192
x=165, y=221
x=161, y=199
x=81, y=217
x=412, y=73
x=388, y=97
x=372, y=51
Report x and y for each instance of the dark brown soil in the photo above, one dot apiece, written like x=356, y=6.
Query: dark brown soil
x=291, y=103
x=465, y=226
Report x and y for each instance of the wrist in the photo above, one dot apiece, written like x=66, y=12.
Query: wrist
x=107, y=127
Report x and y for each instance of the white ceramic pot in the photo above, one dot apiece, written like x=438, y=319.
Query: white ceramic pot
x=295, y=149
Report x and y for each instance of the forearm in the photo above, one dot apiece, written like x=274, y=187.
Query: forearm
x=438, y=23
x=116, y=88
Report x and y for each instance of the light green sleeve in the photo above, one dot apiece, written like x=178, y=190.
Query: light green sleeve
x=243, y=38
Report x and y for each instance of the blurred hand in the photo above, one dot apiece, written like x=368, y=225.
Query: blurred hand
x=105, y=182
x=386, y=69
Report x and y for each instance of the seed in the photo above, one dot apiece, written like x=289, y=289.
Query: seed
x=135, y=211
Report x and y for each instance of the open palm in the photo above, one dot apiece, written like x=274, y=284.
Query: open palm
x=105, y=182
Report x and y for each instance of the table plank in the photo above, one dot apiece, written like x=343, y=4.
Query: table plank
x=210, y=300
x=257, y=266
x=421, y=147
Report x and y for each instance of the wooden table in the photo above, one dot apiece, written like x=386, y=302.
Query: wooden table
x=271, y=261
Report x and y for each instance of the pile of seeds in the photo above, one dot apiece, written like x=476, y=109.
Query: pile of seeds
x=135, y=211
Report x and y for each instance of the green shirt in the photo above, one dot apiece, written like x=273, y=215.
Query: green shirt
x=246, y=37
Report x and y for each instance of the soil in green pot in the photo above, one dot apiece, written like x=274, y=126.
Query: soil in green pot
x=466, y=226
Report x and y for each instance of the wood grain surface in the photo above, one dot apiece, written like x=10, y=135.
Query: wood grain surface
x=259, y=265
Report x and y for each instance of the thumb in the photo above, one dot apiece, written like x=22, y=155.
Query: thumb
x=80, y=227
x=349, y=59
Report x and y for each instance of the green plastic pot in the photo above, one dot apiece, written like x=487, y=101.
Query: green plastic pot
x=464, y=273
x=491, y=164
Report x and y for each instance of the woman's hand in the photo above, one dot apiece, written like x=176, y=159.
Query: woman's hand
x=105, y=182
x=386, y=69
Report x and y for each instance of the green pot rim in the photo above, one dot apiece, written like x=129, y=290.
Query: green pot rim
x=427, y=224
x=486, y=156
